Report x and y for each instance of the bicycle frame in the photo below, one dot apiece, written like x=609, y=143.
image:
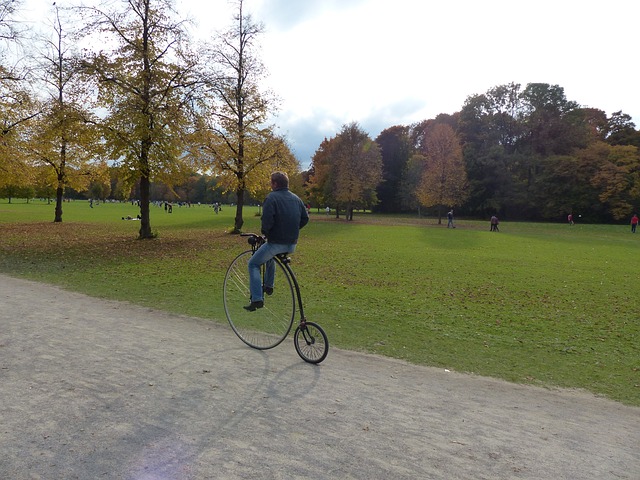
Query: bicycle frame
x=285, y=260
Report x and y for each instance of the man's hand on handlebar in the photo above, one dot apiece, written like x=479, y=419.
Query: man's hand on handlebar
x=254, y=239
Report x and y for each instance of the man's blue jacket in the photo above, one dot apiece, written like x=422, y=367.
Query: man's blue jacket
x=283, y=215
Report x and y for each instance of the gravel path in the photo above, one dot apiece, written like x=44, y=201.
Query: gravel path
x=100, y=389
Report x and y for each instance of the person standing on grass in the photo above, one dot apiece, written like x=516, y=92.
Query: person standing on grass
x=494, y=224
x=634, y=223
x=283, y=215
x=450, y=219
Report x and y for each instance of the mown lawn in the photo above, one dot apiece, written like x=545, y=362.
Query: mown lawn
x=545, y=304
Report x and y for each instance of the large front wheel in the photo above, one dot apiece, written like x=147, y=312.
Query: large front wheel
x=265, y=327
x=311, y=342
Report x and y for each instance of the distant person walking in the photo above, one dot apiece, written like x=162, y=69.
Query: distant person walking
x=450, y=219
x=494, y=224
x=570, y=219
x=634, y=223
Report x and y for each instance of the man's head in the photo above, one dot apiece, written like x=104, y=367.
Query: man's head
x=279, y=180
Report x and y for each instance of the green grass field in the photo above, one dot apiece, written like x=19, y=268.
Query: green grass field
x=543, y=304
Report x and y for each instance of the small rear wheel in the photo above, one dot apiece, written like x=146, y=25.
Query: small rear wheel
x=311, y=342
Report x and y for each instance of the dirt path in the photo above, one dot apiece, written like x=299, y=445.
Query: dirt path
x=99, y=389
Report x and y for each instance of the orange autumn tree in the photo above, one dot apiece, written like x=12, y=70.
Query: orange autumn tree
x=617, y=178
x=444, y=178
x=347, y=170
x=233, y=139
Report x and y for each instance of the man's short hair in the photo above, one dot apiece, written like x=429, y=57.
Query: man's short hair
x=280, y=179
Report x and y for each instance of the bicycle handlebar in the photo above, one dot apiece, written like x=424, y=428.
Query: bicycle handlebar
x=254, y=238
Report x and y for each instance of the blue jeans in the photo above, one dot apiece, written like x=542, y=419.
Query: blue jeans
x=264, y=255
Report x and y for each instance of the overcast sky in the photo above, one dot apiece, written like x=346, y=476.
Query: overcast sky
x=395, y=62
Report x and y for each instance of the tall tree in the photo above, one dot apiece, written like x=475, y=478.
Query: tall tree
x=411, y=177
x=359, y=169
x=146, y=84
x=493, y=118
x=17, y=101
x=348, y=170
x=545, y=116
x=320, y=182
x=233, y=136
x=395, y=149
x=18, y=108
x=618, y=179
x=444, y=179
x=63, y=136
x=490, y=128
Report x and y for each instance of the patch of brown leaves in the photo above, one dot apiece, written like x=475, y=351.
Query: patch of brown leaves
x=103, y=241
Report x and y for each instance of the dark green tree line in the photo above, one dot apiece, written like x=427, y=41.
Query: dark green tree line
x=528, y=154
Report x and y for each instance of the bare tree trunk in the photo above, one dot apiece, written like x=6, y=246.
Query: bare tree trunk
x=59, y=198
x=61, y=180
x=145, y=218
x=237, y=227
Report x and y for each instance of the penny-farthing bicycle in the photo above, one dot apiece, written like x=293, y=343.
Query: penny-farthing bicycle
x=267, y=327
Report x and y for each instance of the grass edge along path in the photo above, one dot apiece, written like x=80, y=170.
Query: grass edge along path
x=544, y=304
